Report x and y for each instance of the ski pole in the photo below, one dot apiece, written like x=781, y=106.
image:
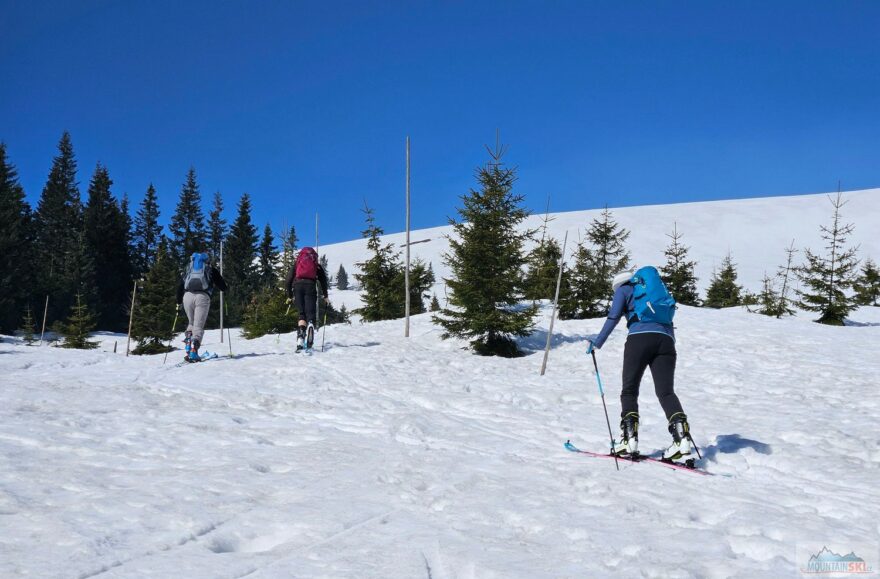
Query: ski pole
x=602, y=394
x=173, y=328
x=323, y=330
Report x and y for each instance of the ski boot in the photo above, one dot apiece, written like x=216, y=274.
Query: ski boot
x=629, y=436
x=300, y=338
x=310, y=337
x=193, y=355
x=682, y=443
x=187, y=341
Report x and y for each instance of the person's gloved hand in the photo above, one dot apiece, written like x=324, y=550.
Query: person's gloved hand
x=591, y=340
x=288, y=301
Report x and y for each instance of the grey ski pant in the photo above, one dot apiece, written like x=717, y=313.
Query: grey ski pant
x=196, y=306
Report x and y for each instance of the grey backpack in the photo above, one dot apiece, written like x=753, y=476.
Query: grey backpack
x=198, y=274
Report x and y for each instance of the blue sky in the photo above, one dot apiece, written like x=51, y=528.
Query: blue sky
x=306, y=106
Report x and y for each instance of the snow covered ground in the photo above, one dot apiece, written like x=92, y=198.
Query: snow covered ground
x=391, y=458
x=384, y=457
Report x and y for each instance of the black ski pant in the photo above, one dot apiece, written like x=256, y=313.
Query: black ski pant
x=656, y=351
x=305, y=292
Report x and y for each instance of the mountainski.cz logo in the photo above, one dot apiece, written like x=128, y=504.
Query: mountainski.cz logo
x=827, y=562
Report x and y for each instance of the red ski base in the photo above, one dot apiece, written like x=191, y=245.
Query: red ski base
x=671, y=465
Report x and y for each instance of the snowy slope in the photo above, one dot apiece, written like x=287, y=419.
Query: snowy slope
x=388, y=458
x=393, y=458
x=755, y=231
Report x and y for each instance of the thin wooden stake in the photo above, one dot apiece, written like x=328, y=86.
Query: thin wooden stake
x=317, y=283
x=221, y=292
x=45, y=312
x=406, y=273
x=555, y=303
x=131, y=316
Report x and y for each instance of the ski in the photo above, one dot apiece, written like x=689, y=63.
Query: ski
x=641, y=458
x=202, y=358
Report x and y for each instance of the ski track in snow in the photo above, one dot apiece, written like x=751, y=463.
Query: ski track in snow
x=383, y=457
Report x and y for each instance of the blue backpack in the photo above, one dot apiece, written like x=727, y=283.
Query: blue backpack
x=652, y=302
x=198, y=274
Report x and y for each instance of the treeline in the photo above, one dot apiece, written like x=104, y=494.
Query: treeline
x=830, y=281
x=492, y=275
x=84, y=258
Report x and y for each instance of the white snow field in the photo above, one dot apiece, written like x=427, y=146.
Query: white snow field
x=395, y=458
x=386, y=457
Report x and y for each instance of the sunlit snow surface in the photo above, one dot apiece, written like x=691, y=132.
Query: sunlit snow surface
x=384, y=457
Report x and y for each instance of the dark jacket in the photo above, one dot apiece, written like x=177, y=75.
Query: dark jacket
x=217, y=281
x=322, y=278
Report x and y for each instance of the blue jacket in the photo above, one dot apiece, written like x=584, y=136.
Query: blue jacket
x=622, y=306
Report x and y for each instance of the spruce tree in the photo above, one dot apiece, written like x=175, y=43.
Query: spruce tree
x=678, y=273
x=543, y=267
x=867, y=285
x=78, y=326
x=268, y=273
x=325, y=263
x=486, y=260
x=723, y=291
x=267, y=313
x=828, y=277
x=609, y=254
x=768, y=301
x=157, y=304
x=379, y=277
x=435, y=303
x=583, y=293
x=107, y=232
x=16, y=239
x=342, y=317
x=288, y=250
x=28, y=327
x=127, y=226
x=240, y=261
x=586, y=292
x=785, y=274
x=188, y=222
x=216, y=227
x=147, y=232
x=80, y=270
x=59, y=229
x=421, y=280
x=334, y=316
x=341, y=278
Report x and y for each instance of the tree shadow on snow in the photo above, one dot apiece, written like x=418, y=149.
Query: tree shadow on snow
x=859, y=324
x=254, y=355
x=733, y=443
x=537, y=341
x=364, y=345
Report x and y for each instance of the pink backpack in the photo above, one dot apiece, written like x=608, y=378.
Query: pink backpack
x=307, y=264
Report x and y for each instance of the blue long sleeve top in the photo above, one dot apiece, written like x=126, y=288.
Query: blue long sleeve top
x=622, y=306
